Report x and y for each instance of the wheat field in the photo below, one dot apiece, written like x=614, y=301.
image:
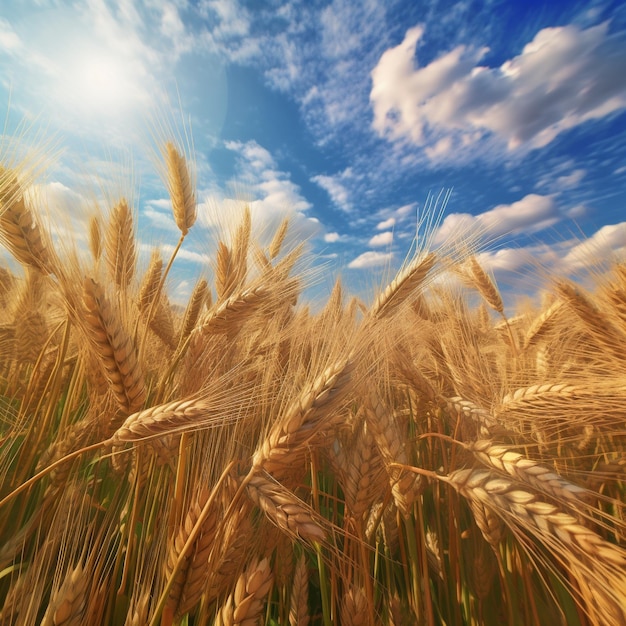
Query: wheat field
x=246, y=459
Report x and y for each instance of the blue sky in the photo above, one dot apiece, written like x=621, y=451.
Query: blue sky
x=350, y=117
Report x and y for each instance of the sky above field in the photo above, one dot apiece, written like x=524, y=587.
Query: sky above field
x=355, y=118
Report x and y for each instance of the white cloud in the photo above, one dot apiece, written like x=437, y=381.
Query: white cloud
x=371, y=259
x=9, y=39
x=570, y=181
x=528, y=215
x=405, y=210
x=332, y=237
x=569, y=257
x=160, y=219
x=603, y=245
x=563, y=77
x=272, y=196
x=382, y=239
x=388, y=223
x=335, y=186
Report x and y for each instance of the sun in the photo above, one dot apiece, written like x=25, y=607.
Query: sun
x=102, y=85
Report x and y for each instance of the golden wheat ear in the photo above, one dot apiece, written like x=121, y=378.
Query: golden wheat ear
x=20, y=230
x=121, y=254
x=181, y=188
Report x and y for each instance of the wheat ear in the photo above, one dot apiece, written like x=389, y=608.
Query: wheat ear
x=188, y=584
x=67, y=605
x=181, y=188
x=116, y=349
x=283, y=508
x=20, y=231
x=232, y=312
x=529, y=472
x=598, y=564
x=354, y=607
x=403, y=285
x=298, y=602
x=171, y=417
x=542, y=324
x=405, y=486
x=199, y=297
x=313, y=408
x=150, y=281
x=119, y=244
x=545, y=520
x=245, y=604
x=279, y=238
x=95, y=237
x=593, y=320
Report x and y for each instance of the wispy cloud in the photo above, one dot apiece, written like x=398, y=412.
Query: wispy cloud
x=336, y=188
x=563, y=77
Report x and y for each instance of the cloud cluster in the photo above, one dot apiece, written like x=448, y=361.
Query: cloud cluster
x=272, y=197
x=562, y=78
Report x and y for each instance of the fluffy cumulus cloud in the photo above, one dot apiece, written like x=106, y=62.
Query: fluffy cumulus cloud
x=273, y=196
x=607, y=244
x=371, y=259
x=529, y=215
x=382, y=239
x=563, y=77
x=388, y=223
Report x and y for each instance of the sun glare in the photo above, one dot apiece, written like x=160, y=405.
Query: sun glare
x=101, y=85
